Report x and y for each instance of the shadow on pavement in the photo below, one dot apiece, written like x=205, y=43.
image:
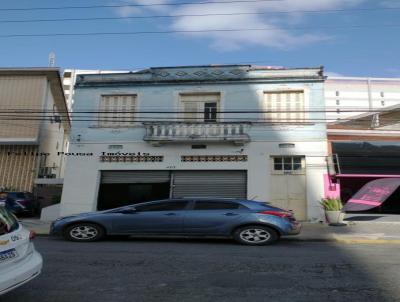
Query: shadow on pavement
x=197, y=270
x=363, y=218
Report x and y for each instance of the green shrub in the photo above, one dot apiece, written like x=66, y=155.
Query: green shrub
x=331, y=204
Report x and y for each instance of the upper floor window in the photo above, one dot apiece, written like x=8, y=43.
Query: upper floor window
x=117, y=110
x=284, y=106
x=200, y=107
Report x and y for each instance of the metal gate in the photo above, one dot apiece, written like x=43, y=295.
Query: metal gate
x=226, y=184
x=124, y=177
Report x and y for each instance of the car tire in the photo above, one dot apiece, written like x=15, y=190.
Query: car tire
x=255, y=235
x=84, y=232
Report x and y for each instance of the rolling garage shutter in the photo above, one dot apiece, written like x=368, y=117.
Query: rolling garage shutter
x=225, y=184
x=126, y=177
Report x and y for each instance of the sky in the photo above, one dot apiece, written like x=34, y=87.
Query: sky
x=347, y=37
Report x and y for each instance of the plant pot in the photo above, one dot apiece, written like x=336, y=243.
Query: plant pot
x=334, y=217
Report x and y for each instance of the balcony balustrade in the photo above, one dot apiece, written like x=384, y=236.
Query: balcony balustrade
x=175, y=132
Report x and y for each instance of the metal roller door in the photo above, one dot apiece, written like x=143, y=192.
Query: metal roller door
x=124, y=177
x=228, y=184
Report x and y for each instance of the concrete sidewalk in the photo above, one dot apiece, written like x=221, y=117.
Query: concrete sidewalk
x=354, y=232
x=36, y=225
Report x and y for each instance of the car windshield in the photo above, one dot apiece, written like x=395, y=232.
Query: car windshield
x=20, y=195
x=8, y=222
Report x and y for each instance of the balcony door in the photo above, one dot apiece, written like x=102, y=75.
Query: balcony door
x=200, y=107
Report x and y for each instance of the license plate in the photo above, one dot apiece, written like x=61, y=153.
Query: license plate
x=7, y=255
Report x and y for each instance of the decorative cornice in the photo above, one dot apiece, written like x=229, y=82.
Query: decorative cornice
x=210, y=74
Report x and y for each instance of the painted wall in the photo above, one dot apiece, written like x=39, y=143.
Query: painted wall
x=358, y=94
x=21, y=92
x=82, y=176
x=233, y=97
x=81, y=181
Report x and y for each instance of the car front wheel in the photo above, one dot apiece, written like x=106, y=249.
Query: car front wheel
x=84, y=232
x=255, y=235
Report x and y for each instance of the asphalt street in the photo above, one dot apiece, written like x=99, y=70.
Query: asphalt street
x=207, y=270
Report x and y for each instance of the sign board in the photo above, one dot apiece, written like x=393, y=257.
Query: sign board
x=372, y=194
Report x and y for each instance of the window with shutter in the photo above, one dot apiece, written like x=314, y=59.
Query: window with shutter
x=117, y=111
x=284, y=106
x=200, y=107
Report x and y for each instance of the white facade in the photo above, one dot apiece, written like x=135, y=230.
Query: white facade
x=262, y=146
x=69, y=79
x=351, y=96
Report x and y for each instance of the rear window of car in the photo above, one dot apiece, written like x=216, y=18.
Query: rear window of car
x=216, y=205
x=8, y=222
x=17, y=195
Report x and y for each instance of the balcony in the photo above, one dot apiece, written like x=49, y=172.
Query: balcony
x=158, y=133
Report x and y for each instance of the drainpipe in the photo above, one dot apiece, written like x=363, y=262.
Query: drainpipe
x=42, y=127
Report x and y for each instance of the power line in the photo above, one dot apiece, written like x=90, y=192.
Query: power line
x=195, y=31
x=109, y=117
x=122, y=120
x=135, y=5
x=29, y=111
x=199, y=15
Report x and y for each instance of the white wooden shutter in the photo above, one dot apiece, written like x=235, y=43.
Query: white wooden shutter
x=191, y=111
x=117, y=110
x=284, y=106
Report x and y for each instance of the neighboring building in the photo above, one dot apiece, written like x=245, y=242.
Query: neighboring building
x=351, y=96
x=69, y=79
x=365, y=148
x=179, y=132
x=34, y=127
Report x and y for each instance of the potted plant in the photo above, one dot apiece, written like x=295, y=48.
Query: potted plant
x=333, y=210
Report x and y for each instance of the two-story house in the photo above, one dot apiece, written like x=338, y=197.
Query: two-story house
x=235, y=131
x=34, y=128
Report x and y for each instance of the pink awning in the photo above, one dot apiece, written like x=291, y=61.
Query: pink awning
x=372, y=194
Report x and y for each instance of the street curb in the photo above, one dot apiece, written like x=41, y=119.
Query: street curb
x=337, y=240
x=342, y=240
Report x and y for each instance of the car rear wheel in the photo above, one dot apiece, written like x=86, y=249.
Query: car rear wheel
x=84, y=232
x=255, y=235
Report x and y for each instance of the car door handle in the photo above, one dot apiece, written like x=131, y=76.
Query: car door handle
x=231, y=214
x=170, y=214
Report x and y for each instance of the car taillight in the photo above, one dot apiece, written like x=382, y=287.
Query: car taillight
x=32, y=235
x=276, y=213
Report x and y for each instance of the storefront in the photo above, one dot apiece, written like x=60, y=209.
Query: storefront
x=363, y=162
x=120, y=188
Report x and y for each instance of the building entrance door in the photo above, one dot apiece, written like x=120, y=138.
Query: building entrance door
x=288, y=185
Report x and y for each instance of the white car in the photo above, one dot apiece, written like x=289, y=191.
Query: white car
x=19, y=261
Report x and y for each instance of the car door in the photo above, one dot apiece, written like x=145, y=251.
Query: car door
x=164, y=217
x=207, y=217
